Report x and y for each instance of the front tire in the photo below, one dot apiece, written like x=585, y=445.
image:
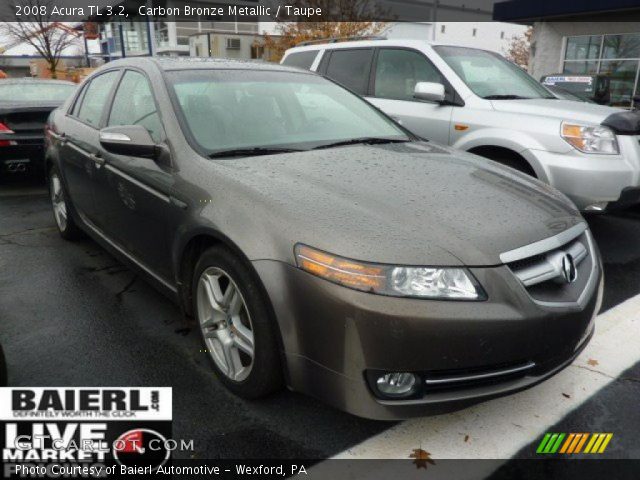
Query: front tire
x=236, y=324
x=60, y=204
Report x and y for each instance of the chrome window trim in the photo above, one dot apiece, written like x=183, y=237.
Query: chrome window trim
x=543, y=245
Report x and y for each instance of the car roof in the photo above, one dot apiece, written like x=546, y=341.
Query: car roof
x=27, y=80
x=379, y=42
x=202, y=63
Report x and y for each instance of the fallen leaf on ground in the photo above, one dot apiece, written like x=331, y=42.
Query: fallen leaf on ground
x=421, y=457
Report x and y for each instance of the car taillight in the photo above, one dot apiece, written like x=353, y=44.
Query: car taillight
x=4, y=130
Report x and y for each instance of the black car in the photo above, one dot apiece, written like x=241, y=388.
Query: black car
x=319, y=244
x=25, y=105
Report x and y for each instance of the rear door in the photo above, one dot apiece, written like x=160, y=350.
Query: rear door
x=80, y=154
x=350, y=67
x=133, y=193
x=395, y=74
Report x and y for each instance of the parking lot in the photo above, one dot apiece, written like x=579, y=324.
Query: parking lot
x=71, y=314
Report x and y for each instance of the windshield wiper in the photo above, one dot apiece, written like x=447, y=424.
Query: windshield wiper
x=248, y=152
x=362, y=140
x=506, y=97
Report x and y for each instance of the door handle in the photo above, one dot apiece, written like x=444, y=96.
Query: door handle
x=61, y=137
x=97, y=159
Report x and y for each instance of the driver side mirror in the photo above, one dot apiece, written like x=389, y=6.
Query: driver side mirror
x=132, y=140
x=429, y=91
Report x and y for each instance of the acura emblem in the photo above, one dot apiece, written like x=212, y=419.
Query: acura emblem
x=569, y=271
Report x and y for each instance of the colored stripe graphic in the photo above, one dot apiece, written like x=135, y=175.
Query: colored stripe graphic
x=553, y=442
x=550, y=443
x=598, y=443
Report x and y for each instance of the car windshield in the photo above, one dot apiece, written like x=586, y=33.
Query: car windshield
x=35, y=92
x=258, y=112
x=489, y=75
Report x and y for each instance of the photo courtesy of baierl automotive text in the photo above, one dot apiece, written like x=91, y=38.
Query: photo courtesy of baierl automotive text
x=365, y=239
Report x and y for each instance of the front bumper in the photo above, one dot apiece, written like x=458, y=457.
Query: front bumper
x=332, y=335
x=589, y=179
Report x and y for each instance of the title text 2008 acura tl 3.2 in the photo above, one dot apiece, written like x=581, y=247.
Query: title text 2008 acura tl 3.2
x=320, y=245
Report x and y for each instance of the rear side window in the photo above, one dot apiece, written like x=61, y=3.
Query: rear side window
x=78, y=102
x=134, y=105
x=95, y=98
x=301, y=59
x=351, y=68
x=398, y=71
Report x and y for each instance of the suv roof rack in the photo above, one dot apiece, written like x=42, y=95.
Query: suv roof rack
x=340, y=39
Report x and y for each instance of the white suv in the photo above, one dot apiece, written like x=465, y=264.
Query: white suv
x=476, y=100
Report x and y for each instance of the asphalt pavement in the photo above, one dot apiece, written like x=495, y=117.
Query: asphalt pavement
x=72, y=315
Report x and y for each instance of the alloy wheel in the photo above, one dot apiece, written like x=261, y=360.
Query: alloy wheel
x=58, y=202
x=225, y=323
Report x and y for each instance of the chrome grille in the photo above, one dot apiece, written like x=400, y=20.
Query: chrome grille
x=562, y=273
x=549, y=266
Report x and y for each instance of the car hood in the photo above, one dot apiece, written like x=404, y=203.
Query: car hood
x=412, y=204
x=556, y=108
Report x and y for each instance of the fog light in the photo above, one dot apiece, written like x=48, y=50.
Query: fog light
x=397, y=384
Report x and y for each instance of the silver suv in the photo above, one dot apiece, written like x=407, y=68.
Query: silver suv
x=476, y=100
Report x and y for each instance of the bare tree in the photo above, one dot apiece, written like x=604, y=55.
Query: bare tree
x=49, y=38
x=519, y=47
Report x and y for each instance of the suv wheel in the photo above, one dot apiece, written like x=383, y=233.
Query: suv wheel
x=60, y=203
x=236, y=325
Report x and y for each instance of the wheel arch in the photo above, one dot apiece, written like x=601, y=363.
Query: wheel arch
x=187, y=255
x=497, y=153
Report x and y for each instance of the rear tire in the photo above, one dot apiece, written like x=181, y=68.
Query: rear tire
x=236, y=324
x=60, y=203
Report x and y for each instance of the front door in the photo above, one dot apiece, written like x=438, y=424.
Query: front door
x=133, y=193
x=395, y=74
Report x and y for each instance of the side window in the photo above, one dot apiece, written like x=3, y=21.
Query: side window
x=301, y=59
x=78, y=101
x=398, y=71
x=133, y=105
x=95, y=98
x=351, y=68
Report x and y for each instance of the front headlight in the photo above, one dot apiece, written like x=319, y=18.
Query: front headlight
x=399, y=281
x=590, y=138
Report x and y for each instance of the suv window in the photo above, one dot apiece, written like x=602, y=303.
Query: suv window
x=351, y=68
x=133, y=104
x=95, y=97
x=301, y=59
x=398, y=71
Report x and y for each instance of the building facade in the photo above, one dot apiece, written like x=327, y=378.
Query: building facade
x=583, y=38
x=201, y=39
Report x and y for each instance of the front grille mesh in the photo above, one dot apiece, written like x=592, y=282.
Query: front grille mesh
x=543, y=277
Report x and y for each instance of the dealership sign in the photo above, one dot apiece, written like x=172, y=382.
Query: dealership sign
x=56, y=431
